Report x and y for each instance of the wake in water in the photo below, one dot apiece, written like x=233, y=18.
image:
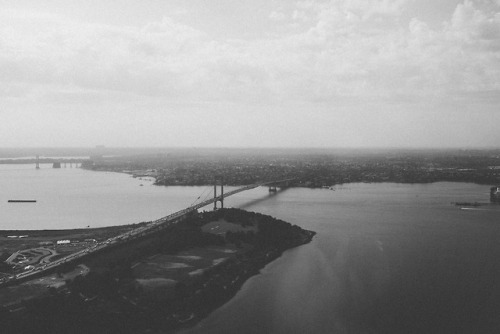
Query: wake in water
x=490, y=208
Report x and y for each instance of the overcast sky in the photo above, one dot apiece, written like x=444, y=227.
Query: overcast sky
x=270, y=73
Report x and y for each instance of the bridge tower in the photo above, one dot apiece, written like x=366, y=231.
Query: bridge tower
x=221, y=199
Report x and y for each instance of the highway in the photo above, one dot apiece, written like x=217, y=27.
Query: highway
x=151, y=227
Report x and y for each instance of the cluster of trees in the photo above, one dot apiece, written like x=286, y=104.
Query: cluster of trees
x=278, y=234
x=4, y=267
x=61, y=314
x=240, y=237
x=178, y=237
x=101, y=284
x=318, y=169
x=231, y=215
x=271, y=232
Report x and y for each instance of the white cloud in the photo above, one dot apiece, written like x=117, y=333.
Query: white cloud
x=277, y=16
x=299, y=15
x=344, y=49
x=369, y=9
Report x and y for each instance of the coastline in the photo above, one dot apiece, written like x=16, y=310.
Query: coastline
x=430, y=180
x=233, y=274
x=193, y=297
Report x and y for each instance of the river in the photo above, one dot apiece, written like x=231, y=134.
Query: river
x=78, y=198
x=387, y=258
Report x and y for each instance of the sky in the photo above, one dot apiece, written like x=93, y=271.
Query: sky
x=250, y=73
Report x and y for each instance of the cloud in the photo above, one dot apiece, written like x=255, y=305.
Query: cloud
x=334, y=51
x=471, y=23
x=369, y=9
x=277, y=16
x=387, y=59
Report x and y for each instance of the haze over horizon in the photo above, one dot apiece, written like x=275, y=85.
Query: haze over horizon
x=313, y=73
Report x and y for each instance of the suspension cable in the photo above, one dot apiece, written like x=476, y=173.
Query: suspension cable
x=200, y=196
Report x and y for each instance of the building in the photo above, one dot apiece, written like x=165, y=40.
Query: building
x=46, y=243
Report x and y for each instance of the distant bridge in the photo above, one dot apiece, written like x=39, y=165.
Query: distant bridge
x=152, y=227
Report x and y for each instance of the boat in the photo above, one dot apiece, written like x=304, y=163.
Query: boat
x=495, y=194
x=22, y=201
x=467, y=204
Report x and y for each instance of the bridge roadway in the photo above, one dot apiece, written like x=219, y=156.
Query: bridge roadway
x=151, y=227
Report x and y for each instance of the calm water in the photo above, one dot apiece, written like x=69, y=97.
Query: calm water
x=387, y=258
x=77, y=198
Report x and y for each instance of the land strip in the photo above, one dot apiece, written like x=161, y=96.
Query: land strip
x=158, y=282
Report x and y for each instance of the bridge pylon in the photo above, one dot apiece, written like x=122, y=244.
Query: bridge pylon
x=221, y=197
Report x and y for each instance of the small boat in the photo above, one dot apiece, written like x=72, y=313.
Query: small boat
x=21, y=201
x=467, y=204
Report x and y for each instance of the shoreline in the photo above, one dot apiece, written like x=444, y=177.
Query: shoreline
x=158, y=308
x=143, y=173
x=241, y=272
x=325, y=187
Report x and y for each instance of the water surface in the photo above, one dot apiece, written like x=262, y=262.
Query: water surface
x=388, y=258
x=77, y=198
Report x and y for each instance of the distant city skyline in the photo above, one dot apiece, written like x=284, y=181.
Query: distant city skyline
x=222, y=73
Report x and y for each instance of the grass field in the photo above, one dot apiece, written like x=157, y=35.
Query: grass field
x=183, y=265
x=221, y=226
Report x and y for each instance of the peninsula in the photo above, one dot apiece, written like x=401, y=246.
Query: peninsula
x=157, y=283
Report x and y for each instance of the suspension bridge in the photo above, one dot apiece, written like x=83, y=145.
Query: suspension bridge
x=154, y=226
